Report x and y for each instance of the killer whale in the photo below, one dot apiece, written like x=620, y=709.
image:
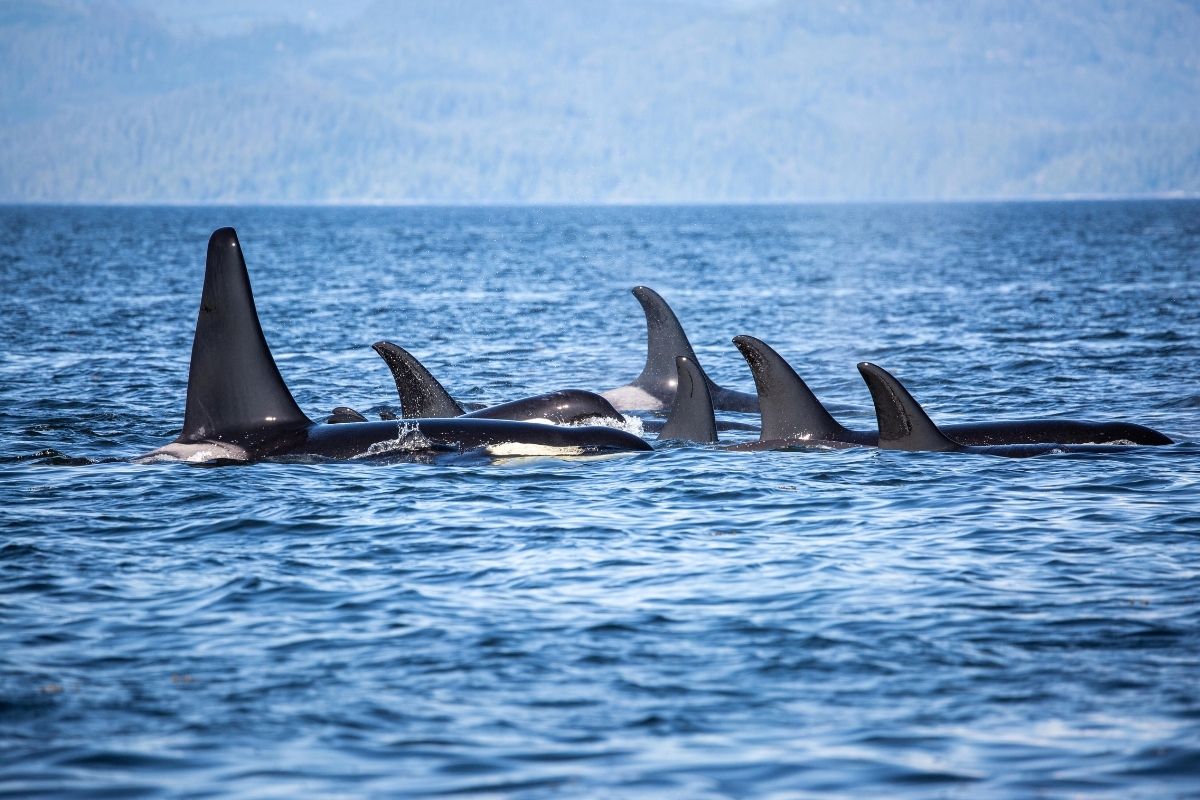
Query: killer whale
x=238, y=407
x=654, y=388
x=422, y=395
x=904, y=425
x=792, y=413
x=691, y=418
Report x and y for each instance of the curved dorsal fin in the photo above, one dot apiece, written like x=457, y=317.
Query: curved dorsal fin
x=421, y=396
x=691, y=418
x=788, y=407
x=234, y=386
x=665, y=340
x=903, y=424
x=344, y=414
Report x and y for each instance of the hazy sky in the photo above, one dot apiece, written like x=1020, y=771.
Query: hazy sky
x=470, y=101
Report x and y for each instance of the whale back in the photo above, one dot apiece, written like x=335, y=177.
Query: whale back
x=563, y=407
x=234, y=386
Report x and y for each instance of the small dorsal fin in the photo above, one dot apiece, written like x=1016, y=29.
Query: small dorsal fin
x=691, y=417
x=344, y=414
x=234, y=386
x=421, y=396
x=903, y=424
x=665, y=340
x=788, y=407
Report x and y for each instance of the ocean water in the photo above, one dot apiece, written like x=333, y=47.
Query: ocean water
x=687, y=623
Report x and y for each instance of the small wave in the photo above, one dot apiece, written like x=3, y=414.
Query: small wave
x=1189, y=401
x=50, y=457
x=631, y=424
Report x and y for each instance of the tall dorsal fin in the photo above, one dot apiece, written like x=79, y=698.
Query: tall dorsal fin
x=421, y=396
x=665, y=340
x=789, y=408
x=691, y=418
x=234, y=386
x=903, y=424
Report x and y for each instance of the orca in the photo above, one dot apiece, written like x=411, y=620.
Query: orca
x=904, y=425
x=654, y=388
x=422, y=395
x=239, y=408
x=691, y=418
x=792, y=413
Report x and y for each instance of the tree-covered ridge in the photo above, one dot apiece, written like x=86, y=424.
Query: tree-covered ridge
x=540, y=100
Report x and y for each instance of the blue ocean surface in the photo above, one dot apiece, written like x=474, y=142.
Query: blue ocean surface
x=685, y=623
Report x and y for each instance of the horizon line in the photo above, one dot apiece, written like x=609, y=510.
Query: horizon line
x=979, y=200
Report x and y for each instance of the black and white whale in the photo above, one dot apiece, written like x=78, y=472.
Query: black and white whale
x=654, y=388
x=239, y=408
x=692, y=418
x=904, y=425
x=422, y=395
x=791, y=413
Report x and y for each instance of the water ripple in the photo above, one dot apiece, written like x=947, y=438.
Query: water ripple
x=687, y=623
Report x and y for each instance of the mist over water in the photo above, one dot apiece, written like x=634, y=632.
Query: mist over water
x=686, y=623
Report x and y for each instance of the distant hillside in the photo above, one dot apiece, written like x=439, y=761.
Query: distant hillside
x=624, y=100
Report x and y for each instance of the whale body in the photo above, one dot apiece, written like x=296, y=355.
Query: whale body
x=654, y=388
x=239, y=408
x=904, y=425
x=792, y=414
x=422, y=395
